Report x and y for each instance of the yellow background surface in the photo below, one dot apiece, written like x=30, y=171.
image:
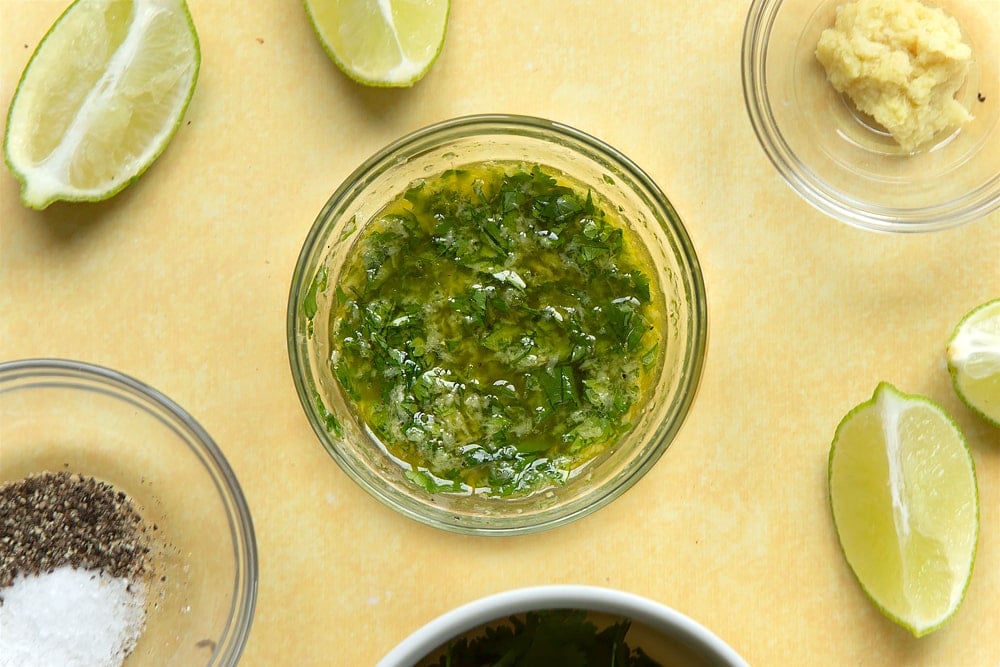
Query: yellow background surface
x=181, y=281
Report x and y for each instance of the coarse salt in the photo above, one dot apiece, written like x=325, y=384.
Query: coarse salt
x=70, y=618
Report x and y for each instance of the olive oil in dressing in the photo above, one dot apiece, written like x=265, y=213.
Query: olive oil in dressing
x=496, y=327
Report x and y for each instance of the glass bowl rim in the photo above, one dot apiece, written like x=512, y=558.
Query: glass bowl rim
x=66, y=373
x=461, y=127
x=839, y=205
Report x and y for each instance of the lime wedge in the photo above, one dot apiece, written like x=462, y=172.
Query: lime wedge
x=100, y=98
x=974, y=360
x=905, y=506
x=381, y=42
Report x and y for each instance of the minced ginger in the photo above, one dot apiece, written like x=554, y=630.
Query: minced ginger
x=901, y=63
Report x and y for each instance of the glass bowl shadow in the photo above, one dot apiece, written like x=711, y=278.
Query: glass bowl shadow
x=840, y=160
x=58, y=415
x=452, y=144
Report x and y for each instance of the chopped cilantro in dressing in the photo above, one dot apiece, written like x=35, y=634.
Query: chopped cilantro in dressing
x=494, y=328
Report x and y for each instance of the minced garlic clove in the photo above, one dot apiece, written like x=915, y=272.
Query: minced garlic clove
x=901, y=62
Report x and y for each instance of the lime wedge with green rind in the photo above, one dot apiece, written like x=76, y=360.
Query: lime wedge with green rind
x=973, y=356
x=100, y=98
x=381, y=42
x=905, y=506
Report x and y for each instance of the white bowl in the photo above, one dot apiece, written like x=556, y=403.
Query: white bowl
x=680, y=638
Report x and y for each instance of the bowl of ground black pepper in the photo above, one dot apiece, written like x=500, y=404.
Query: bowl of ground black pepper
x=497, y=325
x=124, y=535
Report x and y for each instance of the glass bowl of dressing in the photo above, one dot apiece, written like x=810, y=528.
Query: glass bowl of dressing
x=94, y=438
x=840, y=159
x=497, y=324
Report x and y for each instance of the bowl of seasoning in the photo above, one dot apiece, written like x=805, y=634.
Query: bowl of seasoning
x=557, y=625
x=497, y=324
x=124, y=536
x=883, y=114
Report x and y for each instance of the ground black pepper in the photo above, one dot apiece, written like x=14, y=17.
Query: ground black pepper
x=55, y=519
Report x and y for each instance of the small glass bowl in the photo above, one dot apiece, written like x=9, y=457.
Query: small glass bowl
x=664, y=634
x=453, y=144
x=841, y=161
x=70, y=416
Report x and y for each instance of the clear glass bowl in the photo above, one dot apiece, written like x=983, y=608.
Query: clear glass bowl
x=455, y=143
x=60, y=415
x=665, y=634
x=842, y=162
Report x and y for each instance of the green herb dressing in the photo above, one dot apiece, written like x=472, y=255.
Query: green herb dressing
x=495, y=329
